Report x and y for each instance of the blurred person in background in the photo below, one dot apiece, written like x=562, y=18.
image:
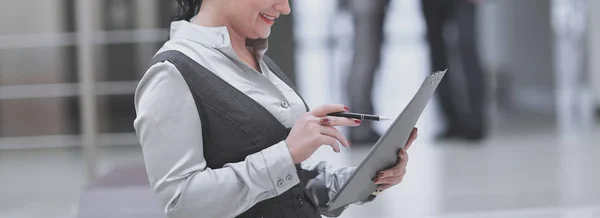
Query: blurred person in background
x=368, y=19
x=223, y=131
x=464, y=111
x=464, y=114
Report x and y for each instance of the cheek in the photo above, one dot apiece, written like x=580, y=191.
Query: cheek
x=249, y=22
x=256, y=26
x=259, y=29
x=245, y=25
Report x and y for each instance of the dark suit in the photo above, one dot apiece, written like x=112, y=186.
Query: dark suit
x=463, y=110
x=369, y=16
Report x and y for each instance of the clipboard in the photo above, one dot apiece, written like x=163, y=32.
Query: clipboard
x=384, y=154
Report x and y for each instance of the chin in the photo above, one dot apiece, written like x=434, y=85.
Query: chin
x=264, y=34
x=261, y=34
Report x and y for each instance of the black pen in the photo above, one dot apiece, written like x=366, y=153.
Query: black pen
x=358, y=116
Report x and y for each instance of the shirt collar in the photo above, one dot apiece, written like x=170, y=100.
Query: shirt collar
x=214, y=37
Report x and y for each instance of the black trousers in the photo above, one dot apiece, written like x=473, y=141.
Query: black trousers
x=463, y=110
x=369, y=16
x=461, y=93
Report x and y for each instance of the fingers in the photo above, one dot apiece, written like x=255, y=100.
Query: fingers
x=389, y=181
x=338, y=121
x=328, y=134
x=323, y=110
x=398, y=170
x=333, y=132
x=324, y=121
x=342, y=121
x=402, y=156
x=384, y=187
x=328, y=140
x=413, y=136
x=326, y=128
x=403, y=162
x=390, y=177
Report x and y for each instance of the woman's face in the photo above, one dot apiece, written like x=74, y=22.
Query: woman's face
x=253, y=18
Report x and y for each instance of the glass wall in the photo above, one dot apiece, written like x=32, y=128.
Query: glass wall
x=39, y=97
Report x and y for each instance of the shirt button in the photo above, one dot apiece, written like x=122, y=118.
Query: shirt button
x=285, y=104
x=280, y=183
x=289, y=177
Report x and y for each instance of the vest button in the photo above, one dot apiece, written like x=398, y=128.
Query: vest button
x=289, y=177
x=280, y=183
x=301, y=201
x=285, y=104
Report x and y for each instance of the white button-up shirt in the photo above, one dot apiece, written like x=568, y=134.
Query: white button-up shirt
x=168, y=127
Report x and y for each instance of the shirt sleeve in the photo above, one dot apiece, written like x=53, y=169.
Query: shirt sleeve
x=327, y=184
x=169, y=129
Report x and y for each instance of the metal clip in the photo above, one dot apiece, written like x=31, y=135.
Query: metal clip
x=376, y=192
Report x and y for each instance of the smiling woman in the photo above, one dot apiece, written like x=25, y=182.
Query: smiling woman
x=224, y=132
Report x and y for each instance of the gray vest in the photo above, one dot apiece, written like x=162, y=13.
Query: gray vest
x=235, y=126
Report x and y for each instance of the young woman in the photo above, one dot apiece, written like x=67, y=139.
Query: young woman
x=223, y=131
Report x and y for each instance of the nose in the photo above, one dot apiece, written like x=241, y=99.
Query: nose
x=283, y=7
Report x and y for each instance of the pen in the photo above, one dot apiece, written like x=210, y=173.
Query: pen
x=358, y=116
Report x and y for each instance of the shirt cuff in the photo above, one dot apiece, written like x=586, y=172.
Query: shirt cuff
x=281, y=167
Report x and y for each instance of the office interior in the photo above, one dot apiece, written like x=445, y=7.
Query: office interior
x=69, y=68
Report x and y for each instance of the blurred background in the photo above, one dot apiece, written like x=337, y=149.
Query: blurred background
x=68, y=70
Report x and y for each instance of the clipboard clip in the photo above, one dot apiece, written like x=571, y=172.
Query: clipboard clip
x=376, y=192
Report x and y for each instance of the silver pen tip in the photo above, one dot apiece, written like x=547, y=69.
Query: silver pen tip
x=383, y=118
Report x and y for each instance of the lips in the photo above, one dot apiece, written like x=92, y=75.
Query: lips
x=268, y=18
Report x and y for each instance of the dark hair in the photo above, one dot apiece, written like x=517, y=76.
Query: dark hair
x=186, y=9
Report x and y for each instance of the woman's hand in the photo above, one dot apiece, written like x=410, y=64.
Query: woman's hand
x=393, y=176
x=314, y=129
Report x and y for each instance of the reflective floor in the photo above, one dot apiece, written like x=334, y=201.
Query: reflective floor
x=515, y=173
x=521, y=170
x=525, y=174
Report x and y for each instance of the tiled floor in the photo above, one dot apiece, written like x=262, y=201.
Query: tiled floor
x=509, y=175
x=524, y=175
x=48, y=182
x=521, y=170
